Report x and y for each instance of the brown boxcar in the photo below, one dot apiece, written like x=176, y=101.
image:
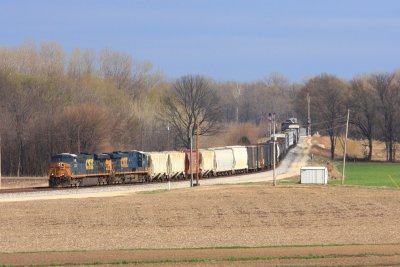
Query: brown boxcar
x=195, y=163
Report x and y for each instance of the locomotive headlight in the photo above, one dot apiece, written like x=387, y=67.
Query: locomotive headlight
x=59, y=164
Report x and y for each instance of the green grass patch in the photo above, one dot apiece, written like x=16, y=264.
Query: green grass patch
x=229, y=259
x=371, y=174
x=290, y=180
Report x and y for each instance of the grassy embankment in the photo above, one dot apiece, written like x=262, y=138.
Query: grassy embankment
x=371, y=174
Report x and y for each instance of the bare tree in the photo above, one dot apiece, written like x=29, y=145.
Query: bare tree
x=116, y=66
x=51, y=59
x=84, y=128
x=25, y=59
x=225, y=91
x=327, y=105
x=192, y=101
x=363, y=104
x=19, y=94
x=236, y=94
x=280, y=95
x=49, y=106
x=277, y=82
x=143, y=77
x=81, y=63
x=388, y=93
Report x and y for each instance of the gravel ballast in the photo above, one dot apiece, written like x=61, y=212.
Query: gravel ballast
x=290, y=166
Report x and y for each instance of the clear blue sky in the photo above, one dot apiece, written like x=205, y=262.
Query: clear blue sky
x=226, y=40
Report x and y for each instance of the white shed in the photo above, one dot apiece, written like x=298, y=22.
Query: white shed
x=313, y=175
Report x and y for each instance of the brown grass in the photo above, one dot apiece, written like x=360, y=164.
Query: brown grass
x=356, y=149
x=23, y=182
x=231, y=134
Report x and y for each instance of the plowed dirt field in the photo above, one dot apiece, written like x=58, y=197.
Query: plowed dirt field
x=257, y=216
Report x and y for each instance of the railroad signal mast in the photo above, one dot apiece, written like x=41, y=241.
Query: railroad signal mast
x=273, y=115
x=197, y=153
x=274, y=149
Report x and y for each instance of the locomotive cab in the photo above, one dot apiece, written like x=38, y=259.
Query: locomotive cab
x=60, y=168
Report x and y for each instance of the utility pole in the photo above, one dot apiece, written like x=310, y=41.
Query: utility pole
x=236, y=95
x=79, y=141
x=197, y=152
x=190, y=158
x=237, y=113
x=308, y=117
x=345, y=146
x=269, y=122
x=273, y=151
x=168, y=136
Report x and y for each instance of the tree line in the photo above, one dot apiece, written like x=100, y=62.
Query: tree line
x=87, y=101
x=373, y=101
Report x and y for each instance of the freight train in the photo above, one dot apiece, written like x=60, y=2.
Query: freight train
x=68, y=169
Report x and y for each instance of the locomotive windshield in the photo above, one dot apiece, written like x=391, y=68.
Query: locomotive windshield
x=62, y=158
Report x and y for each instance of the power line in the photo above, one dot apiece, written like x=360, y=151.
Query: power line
x=327, y=121
x=331, y=128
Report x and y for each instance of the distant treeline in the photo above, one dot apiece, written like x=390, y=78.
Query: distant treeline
x=53, y=102
x=373, y=101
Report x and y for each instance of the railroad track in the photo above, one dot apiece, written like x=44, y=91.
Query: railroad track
x=29, y=189
x=46, y=188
